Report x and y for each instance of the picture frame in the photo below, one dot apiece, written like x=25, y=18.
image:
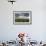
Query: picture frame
x=22, y=17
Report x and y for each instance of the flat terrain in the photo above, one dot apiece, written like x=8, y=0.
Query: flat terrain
x=21, y=20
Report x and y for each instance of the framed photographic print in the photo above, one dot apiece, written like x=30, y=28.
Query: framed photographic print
x=22, y=17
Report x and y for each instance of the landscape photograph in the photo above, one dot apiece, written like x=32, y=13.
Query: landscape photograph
x=23, y=17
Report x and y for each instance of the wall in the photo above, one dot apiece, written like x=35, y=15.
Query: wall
x=9, y=31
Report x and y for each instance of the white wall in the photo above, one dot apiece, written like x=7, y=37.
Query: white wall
x=9, y=31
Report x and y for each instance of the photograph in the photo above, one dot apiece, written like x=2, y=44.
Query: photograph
x=22, y=22
x=22, y=17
